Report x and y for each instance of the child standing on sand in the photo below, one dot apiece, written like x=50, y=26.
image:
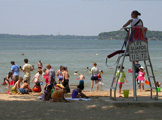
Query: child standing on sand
x=121, y=78
x=141, y=77
x=17, y=85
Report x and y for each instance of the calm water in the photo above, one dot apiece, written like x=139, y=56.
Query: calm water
x=75, y=54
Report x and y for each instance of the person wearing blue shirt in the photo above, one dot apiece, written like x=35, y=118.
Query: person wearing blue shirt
x=15, y=71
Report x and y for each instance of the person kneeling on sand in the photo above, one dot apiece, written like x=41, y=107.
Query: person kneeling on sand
x=47, y=93
x=24, y=89
x=17, y=85
x=58, y=95
x=77, y=93
x=37, y=87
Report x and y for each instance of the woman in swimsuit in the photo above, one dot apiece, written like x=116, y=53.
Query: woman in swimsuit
x=7, y=79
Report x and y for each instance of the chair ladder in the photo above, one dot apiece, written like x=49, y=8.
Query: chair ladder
x=151, y=76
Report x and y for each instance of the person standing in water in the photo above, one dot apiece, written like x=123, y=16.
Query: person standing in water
x=94, y=71
x=40, y=65
x=27, y=68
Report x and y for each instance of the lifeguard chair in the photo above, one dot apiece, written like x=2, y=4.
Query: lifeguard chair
x=137, y=50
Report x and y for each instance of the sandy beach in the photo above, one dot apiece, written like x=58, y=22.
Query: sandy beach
x=100, y=107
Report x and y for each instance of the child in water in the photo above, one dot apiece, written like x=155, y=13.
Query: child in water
x=81, y=80
x=17, y=85
x=7, y=80
x=121, y=78
x=99, y=77
x=141, y=78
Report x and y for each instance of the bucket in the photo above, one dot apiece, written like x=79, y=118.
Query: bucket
x=147, y=82
x=11, y=82
x=159, y=89
x=126, y=93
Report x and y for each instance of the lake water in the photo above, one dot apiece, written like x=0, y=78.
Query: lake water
x=75, y=54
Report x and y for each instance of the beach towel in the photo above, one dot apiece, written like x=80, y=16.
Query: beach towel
x=138, y=33
x=77, y=99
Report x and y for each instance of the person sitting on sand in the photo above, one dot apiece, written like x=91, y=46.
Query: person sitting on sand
x=24, y=89
x=7, y=79
x=58, y=95
x=77, y=93
x=37, y=87
x=47, y=93
x=17, y=85
x=121, y=78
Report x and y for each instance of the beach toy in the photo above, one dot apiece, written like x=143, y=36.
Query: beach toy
x=130, y=71
x=159, y=89
x=41, y=83
x=12, y=82
x=36, y=89
x=147, y=82
x=126, y=93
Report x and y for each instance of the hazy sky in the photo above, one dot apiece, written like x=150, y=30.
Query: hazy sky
x=75, y=17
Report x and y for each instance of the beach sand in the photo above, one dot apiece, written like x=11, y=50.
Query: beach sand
x=100, y=107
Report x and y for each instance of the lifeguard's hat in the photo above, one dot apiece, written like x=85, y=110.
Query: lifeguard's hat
x=141, y=67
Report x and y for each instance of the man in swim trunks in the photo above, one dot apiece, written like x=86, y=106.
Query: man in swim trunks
x=27, y=68
x=65, y=80
x=15, y=71
x=24, y=89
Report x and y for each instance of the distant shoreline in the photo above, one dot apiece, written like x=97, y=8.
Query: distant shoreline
x=114, y=35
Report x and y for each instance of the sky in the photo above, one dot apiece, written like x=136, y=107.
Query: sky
x=75, y=17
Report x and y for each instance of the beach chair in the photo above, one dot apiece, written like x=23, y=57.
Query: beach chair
x=137, y=50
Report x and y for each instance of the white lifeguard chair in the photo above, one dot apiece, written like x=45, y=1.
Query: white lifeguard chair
x=137, y=50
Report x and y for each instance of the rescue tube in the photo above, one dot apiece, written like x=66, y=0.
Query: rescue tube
x=115, y=53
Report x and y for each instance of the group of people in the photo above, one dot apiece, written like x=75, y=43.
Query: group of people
x=51, y=88
x=13, y=76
